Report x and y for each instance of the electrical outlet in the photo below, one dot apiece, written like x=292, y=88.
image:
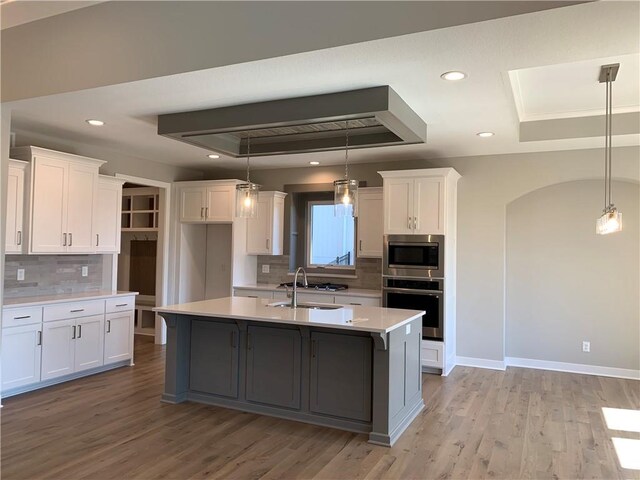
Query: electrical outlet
x=407, y=329
x=20, y=274
x=586, y=346
x=265, y=268
x=85, y=271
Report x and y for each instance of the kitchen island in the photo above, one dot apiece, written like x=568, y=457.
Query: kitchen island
x=350, y=367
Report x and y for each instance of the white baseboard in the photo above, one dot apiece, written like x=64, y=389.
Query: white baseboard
x=573, y=368
x=480, y=363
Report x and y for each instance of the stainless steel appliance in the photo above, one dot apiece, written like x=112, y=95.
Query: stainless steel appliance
x=420, y=256
x=417, y=294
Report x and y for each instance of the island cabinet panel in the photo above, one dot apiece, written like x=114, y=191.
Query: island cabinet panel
x=334, y=389
x=214, y=358
x=273, y=366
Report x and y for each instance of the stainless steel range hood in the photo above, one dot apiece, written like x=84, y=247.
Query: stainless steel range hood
x=376, y=116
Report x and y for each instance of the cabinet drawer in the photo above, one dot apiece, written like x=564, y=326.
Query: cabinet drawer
x=353, y=300
x=432, y=354
x=120, y=304
x=13, y=317
x=73, y=310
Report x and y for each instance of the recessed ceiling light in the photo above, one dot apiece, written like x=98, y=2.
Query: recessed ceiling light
x=453, y=76
x=213, y=156
x=95, y=123
x=485, y=134
x=314, y=163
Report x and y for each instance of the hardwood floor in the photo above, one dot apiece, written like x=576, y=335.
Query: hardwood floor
x=478, y=424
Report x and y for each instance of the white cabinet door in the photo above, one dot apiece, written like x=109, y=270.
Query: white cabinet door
x=89, y=343
x=429, y=205
x=398, y=206
x=49, y=206
x=21, y=351
x=192, y=204
x=107, y=216
x=58, y=345
x=118, y=337
x=83, y=181
x=220, y=204
x=15, y=208
x=259, y=228
x=370, y=223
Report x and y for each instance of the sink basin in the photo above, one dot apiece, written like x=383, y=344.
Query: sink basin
x=312, y=306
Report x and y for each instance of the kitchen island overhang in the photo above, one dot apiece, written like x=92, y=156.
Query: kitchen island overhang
x=354, y=368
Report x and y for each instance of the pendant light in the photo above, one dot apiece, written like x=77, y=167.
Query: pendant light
x=345, y=190
x=611, y=219
x=247, y=193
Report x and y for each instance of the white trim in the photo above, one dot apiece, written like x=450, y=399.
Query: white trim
x=449, y=366
x=573, y=368
x=480, y=363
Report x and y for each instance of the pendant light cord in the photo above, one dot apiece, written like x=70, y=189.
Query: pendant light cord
x=248, y=155
x=346, y=151
x=610, y=133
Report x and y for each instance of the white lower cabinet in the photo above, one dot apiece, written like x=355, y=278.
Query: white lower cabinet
x=89, y=343
x=21, y=352
x=432, y=354
x=58, y=348
x=118, y=337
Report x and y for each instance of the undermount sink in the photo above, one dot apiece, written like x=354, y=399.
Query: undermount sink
x=312, y=306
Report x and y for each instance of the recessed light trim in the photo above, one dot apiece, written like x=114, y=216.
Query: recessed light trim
x=314, y=163
x=213, y=156
x=485, y=134
x=94, y=122
x=453, y=76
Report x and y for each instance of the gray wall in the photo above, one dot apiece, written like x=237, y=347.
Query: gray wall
x=487, y=186
x=565, y=284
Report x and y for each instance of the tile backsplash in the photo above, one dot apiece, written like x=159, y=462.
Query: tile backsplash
x=51, y=274
x=368, y=271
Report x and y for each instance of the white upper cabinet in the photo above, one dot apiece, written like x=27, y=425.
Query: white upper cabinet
x=208, y=201
x=265, y=230
x=370, y=216
x=107, y=215
x=415, y=201
x=62, y=200
x=15, y=237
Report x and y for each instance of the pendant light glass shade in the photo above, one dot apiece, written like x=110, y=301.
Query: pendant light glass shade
x=247, y=193
x=611, y=219
x=345, y=191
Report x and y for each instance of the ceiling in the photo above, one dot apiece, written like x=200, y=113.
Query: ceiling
x=19, y=12
x=537, y=66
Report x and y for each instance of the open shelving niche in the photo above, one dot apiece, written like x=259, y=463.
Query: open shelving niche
x=140, y=214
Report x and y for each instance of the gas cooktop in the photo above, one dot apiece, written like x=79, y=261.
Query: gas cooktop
x=329, y=287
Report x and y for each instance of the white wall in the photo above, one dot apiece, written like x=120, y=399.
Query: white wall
x=565, y=284
x=487, y=186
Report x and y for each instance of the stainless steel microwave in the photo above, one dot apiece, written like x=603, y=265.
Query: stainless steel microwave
x=420, y=256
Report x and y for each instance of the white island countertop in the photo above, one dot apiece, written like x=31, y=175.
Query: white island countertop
x=348, y=317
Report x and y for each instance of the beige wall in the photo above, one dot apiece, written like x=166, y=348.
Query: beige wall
x=564, y=284
x=487, y=186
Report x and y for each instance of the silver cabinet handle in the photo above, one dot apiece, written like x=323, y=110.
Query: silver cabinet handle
x=201, y=212
x=108, y=326
x=122, y=304
x=77, y=310
x=73, y=335
x=79, y=331
x=267, y=244
x=19, y=237
x=409, y=224
x=39, y=342
x=70, y=239
x=360, y=245
x=97, y=239
x=206, y=212
x=414, y=223
x=64, y=241
x=22, y=317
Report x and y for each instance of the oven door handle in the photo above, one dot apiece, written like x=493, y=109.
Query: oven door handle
x=431, y=293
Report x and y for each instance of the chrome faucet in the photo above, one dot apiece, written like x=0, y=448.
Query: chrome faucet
x=294, y=296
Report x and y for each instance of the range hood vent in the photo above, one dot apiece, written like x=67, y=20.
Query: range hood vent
x=377, y=117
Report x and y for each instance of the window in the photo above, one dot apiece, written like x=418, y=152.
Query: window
x=331, y=240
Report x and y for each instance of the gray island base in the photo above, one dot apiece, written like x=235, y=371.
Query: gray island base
x=355, y=368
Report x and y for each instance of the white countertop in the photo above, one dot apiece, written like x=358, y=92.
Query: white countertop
x=349, y=317
x=275, y=287
x=62, y=298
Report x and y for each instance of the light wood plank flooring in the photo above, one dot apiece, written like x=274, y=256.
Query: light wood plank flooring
x=478, y=424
